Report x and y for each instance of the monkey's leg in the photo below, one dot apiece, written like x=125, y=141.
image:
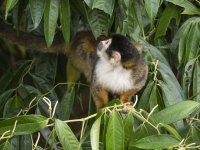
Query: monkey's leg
x=101, y=98
x=126, y=96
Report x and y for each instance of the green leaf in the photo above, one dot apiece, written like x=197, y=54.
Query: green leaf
x=25, y=124
x=72, y=74
x=4, y=97
x=18, y=74
x=144, y=100
x=187, y=77
x=66, y=104
x=196, y=81
x=94, y=134
x=195, y=132
x=133, y=20
x=183, y=41
x=153, y=99
x=115, y=132
x=171, y=130
x=46, y=67
x=192, y=45
x=50, y=20
x=156, y=142
x=171, y=88
x=36, y=10
x=99, y=22
x=25, y=142
x=104, y=5
x=142, y=131
x=128, y=128
x=189, y=8
x=66, y=136
x=151, y=7
x=65, y=18
x=176, y=112
x=12, y=107
x=9, y=5
x=157, y=55
x=163, y=23
x=5, y=146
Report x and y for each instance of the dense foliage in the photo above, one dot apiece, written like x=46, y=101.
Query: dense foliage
x=43, y=108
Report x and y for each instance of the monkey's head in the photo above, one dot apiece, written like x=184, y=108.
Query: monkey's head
x=118, y=50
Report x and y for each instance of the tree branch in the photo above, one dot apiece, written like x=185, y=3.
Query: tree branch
x=29, y=40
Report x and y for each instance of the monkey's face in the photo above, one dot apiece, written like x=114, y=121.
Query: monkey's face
x=111, y=56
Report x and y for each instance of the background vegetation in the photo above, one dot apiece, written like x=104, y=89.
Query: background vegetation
x=35, y=103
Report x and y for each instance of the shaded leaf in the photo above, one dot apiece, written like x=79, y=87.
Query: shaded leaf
x=66, y=104
x=50, y=20
x=66, y=136
x=5, y=146
x=190, y=9
x=171, y=130
x=115, y=132
x=104, y=5
x=99, y=22
x=156, y=142
x=196, y=81
x=12, y=107
x=151, y=7
x=176, y=112
x=128, y=128
x=65, y=19
x=168, y=14
x=171, y=87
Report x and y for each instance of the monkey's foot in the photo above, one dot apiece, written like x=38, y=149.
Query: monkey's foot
x=128, y=106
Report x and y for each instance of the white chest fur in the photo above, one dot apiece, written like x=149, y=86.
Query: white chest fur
x=116, y=79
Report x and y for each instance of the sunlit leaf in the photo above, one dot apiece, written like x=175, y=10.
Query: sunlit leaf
x=94, y=134
x=24, y=124
x=36, y=10
x=9, y=5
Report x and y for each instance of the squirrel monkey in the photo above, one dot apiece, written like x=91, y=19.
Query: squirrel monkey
x=113, y=66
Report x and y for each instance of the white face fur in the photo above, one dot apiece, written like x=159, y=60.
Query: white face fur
x=101, y=52
x=109, y=71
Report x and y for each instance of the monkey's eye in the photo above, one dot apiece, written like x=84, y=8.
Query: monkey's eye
x=107, y=42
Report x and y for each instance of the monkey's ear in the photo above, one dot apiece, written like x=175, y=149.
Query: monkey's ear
x=138, y=46
x=115, y=58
